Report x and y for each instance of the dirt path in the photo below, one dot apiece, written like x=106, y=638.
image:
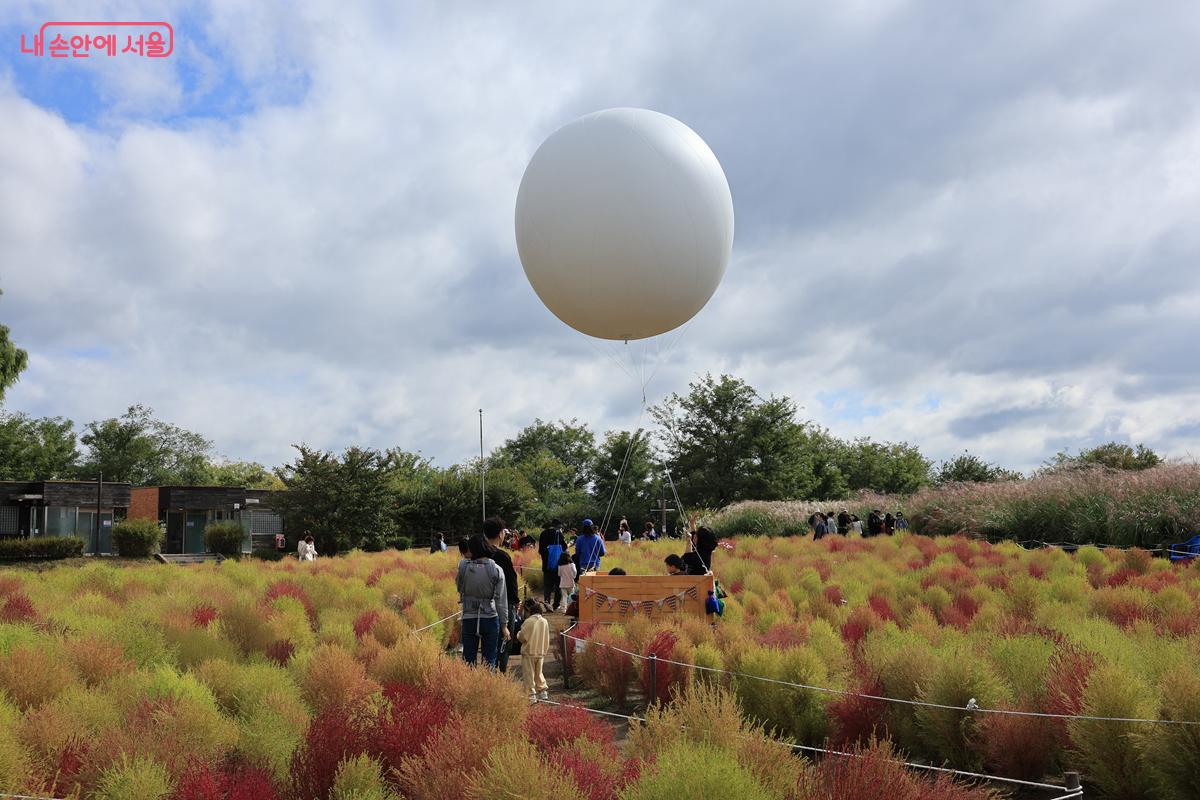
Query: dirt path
x=577, y=694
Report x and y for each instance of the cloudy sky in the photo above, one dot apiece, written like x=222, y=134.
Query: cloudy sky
x=965, y=225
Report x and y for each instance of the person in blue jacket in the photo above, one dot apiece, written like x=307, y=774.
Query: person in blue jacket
x=589, y=548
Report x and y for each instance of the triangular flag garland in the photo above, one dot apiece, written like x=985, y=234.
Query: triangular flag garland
x=644, y=607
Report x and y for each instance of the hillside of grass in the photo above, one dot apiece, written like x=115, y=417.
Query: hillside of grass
x=1091, y=506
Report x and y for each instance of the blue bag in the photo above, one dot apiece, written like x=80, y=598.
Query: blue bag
x=553, y=556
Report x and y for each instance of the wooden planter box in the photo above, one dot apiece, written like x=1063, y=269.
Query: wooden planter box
x=620, y=598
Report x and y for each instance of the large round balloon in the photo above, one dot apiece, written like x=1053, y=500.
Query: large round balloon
x=624, y=223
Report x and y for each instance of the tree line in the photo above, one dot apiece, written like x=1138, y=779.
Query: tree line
x=720, y=442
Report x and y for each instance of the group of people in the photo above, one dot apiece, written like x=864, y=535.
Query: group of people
x=492, y=618
x=845, y=523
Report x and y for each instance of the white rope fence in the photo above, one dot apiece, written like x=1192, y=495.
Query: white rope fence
x=433, y=624
x=1072, y=793
x=884, y=699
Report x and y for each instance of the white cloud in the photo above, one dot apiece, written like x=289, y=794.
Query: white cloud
x=991, y=210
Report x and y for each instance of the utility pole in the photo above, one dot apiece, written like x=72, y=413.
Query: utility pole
x=482, y=471
x=662, y=509
x=99, y=488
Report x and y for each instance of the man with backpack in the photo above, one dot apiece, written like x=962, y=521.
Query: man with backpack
x=484, y=596
x=550, y=547
x=494, y=529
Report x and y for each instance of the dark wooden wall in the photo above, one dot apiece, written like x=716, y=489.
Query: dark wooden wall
x=200, y=498
x=67, y=493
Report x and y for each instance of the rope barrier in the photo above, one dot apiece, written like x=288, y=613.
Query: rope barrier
x=884, y=699
x=1023, y=544
x=433, y=624
x=844, y=754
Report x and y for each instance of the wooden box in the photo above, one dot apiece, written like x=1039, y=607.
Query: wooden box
x=620, y=598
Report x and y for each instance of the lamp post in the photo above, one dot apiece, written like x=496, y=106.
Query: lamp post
x=482, y=471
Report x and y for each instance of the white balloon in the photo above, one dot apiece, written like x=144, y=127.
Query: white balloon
x=624, y=223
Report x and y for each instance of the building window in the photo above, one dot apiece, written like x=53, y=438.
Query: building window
x=9, y=521
x=60, y=520
x=265, y=523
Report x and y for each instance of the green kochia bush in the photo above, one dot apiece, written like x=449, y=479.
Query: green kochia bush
x=41, y=547
x=224, y=537
x=698, y=771
x=137, y=538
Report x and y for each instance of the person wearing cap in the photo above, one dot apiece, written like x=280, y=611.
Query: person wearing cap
x=589, y=548
x=551, y=546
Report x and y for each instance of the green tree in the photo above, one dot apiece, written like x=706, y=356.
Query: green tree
x=969, y=468
x=248, y=474
x=635, y=493
x=1114, y=455
x=40, y=448
x=13, y=361
x=571, y=443
x=724, y=443
x=145, y=451
x=345, y=502
x=888, y=467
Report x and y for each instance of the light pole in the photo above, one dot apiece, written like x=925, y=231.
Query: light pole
x=482, y=471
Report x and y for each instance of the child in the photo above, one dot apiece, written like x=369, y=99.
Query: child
x=566, y=580
x=534, y=637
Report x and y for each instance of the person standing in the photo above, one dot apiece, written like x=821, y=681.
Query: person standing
x=889, y=524
x=589, y=548
x=624, y=535
x=551, y=546
x=484, y=598
x=819, y=526
x=438, y=545
x=843, y=522
x=566, y=580
x=648, y=532
x=856, y=524
x=901, y=521
x=874, y=523
x=534, y=637
x=494, y=530
x=704, y=541
x=306, y=550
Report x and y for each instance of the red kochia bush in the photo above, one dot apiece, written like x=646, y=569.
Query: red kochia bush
x=335, y=734
x=880, y=605
x=203, y=616
x=18, y=608
x=411, y=719
x=876, y=773
x=202, y=782
x=1018, y=747
x=833, y=593
x=287, y=588
x=856, y=720
x=670, y=678
x=1066, y=678
x=861, y=622
x=597, y=780
x=364, y=623
x=280, y=651
x=550, y=727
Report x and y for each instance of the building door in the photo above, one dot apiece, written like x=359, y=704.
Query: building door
x=106, y=523
x=85, y=528
x=193, y=536
x=174, y=543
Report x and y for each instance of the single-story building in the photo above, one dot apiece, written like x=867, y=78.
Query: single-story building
x=185, y=511
x=63, y=508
